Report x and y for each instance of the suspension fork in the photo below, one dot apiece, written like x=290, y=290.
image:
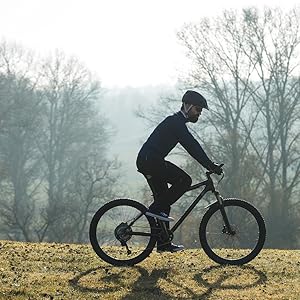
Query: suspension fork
x=220, y=200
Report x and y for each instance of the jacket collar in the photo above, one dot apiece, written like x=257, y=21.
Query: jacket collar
x=182, y=115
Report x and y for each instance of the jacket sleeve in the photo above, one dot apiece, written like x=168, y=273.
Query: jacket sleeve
x=192, y=146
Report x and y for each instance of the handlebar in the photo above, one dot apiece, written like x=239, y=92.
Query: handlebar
x=212, y=171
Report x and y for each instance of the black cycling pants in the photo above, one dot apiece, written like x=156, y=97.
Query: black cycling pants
x=159, y=173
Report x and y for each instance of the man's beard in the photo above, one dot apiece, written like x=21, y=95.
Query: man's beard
x=193, y=119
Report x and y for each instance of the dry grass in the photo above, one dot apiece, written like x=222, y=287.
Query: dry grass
x=63, y=271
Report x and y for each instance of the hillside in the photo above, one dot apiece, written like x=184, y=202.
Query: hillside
x=64, y=271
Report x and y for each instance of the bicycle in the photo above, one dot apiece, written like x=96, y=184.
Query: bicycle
x=232, y=231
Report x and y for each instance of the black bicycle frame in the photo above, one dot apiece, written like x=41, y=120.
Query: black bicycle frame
x=209, y=186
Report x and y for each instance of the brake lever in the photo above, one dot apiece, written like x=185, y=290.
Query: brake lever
x=221, y=177
x=212, y=172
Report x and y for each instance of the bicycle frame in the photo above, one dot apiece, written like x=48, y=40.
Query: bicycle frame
x=209, y=186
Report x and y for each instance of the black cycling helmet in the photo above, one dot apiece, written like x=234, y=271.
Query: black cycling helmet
x=192, y=97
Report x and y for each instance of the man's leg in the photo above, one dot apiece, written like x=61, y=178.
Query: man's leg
x=158, y=175
x=164, y=196
x=180, y=182
x=158, y=186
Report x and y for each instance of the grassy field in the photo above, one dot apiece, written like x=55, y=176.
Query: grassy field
x=63, y=271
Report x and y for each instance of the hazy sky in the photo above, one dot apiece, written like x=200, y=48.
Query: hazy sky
x=126, y=42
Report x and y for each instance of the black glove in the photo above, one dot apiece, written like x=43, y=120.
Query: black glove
x=217, y=169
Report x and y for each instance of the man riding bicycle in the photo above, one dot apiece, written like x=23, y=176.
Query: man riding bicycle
x=159, y=172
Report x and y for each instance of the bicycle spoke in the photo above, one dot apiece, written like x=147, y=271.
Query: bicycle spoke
x=245, y=236
x=239, y=245
x=112, y=237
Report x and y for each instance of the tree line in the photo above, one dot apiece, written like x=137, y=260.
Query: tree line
x=54, y=170
x=246, y=63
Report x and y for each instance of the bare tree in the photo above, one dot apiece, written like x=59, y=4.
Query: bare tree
x=19, y=159
x=275, y=40
x=94, y=181
x=248, y=64
x=74, y=130
x=222, y=72
x=53, y=167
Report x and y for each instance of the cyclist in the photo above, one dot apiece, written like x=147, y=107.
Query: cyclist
x=160, y=172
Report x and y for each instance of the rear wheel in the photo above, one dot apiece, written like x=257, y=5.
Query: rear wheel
x=243, y=243
x=121, y=234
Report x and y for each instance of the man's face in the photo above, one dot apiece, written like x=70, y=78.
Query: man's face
x=194, y=113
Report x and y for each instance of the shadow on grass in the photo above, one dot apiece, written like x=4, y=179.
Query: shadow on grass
x=230, y=273
x=146, y=284
x=116, y=278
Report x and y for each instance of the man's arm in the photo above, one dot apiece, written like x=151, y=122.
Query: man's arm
x=191, y=145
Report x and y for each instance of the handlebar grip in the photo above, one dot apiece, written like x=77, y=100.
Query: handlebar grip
x=212, y=172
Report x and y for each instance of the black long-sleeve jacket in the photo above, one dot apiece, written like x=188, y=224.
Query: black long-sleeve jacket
x=167, y=134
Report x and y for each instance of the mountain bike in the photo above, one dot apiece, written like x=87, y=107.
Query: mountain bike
x=232, y=231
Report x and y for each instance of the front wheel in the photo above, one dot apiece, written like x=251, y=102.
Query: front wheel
x=121, y=234
x=242, y=243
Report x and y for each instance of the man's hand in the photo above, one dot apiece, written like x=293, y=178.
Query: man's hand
x=217, y=169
